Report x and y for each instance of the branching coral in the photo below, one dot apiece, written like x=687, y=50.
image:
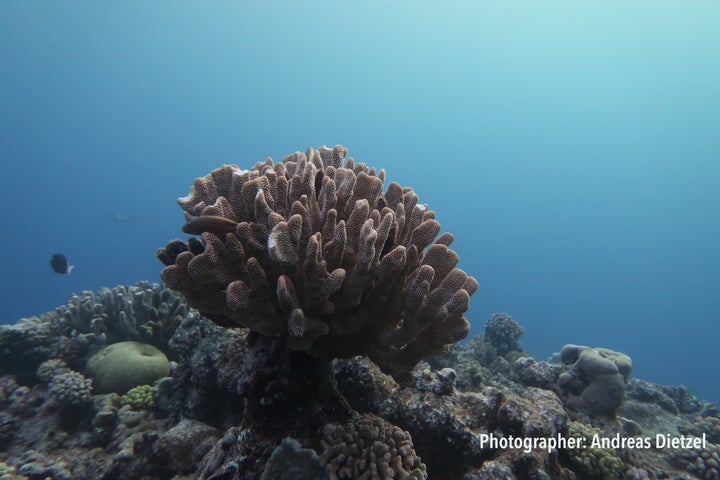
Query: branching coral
x=311, y=249
x=141, y=312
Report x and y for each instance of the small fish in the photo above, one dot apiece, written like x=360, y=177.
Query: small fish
x=60, y=264
x=208, y=223
x=122, y=218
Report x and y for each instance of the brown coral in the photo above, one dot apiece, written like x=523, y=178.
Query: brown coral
x=321, y=255
x=369, y=448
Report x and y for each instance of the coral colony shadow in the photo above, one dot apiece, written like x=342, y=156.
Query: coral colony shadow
x=310, y=333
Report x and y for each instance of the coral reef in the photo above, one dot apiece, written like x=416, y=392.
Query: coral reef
x=72, y=333
x=368, y=447
x=198, y=428
x=325, y=347
x=311, y=248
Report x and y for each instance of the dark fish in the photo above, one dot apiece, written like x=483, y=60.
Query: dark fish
x=208, y=223
x=60, y=264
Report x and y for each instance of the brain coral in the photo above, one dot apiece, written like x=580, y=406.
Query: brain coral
x=312, y=249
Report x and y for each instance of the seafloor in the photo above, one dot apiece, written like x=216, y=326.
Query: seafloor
x=189, y=399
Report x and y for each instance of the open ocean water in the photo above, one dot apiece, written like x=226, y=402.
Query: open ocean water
x=572, y=148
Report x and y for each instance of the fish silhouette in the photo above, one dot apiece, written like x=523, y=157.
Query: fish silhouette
x=60, y=264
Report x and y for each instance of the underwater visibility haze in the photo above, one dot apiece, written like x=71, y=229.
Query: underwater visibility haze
x=572, y=148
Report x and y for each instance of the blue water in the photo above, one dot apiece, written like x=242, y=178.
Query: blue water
x=572, y=148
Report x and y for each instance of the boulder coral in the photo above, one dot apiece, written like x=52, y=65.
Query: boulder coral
x=595, y=382
x=312, y=250
x=124, y=365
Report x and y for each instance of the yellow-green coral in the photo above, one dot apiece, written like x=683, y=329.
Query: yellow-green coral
x=6, y=469
x=140, y=397
x=593, y=460
x=9, y=472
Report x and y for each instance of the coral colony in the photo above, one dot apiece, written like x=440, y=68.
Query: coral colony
x=308, y=328
x=320, y=255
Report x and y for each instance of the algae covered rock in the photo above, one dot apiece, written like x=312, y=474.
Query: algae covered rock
x=124, y=365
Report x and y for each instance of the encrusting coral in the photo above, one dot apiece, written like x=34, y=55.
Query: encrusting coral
x=311, y=249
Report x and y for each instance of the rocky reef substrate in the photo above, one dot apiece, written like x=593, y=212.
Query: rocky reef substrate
x=216, y=403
